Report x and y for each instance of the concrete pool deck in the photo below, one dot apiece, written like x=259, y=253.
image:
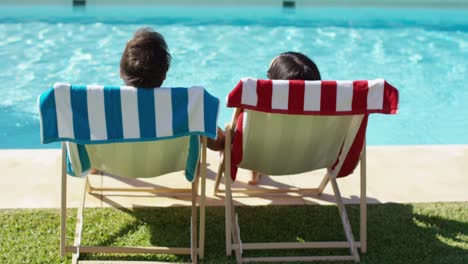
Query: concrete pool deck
x=400, y=174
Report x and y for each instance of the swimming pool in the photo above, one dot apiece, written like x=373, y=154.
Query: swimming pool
x=423, y=52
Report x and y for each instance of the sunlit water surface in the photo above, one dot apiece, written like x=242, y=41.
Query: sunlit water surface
x=422, y=52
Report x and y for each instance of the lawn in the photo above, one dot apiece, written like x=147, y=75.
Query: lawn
x=397, y=233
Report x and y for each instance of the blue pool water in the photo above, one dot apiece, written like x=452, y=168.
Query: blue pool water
x=423, y=52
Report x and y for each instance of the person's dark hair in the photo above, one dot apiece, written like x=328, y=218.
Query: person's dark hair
x=145, y=60
x=293, y=66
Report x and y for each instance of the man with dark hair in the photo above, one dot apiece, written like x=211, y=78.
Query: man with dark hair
x=144, y=64
x=145, y=60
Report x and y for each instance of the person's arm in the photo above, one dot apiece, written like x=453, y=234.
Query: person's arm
x=218, y=143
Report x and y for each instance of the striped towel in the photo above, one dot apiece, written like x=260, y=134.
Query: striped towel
x=325, y=98
x=96, y=114
x=103, y=114
x=315, y=97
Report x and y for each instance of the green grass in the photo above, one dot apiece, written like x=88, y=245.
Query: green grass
x=397, y=233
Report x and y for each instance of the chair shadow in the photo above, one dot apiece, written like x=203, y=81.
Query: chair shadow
x=397, y=233
x=184, y=199
x=416, y=234
x=140, y=183
x=267, y=182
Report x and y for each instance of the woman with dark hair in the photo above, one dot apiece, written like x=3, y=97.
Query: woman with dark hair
x=293, y=66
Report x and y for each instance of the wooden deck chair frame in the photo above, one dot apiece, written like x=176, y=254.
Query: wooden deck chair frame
x=197, y=247
x=233, y=237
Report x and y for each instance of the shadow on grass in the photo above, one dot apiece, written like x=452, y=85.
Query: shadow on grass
x=425, y=233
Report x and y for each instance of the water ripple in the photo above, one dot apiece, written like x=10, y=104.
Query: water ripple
x=428, y=65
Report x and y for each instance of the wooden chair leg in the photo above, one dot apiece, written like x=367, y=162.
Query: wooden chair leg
x=193, y=222
x=63, y=205
x=323, y=184
x=219, y=175
x=236, y=232
x=88, y=185
x=228, y=196
x=363, y=202
x=344, y=220
x=80, y=222
x=227, y=143
x=201, y=244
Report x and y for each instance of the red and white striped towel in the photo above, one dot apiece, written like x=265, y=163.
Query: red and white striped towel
x=315, y=97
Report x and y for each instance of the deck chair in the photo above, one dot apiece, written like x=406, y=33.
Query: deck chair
x=290, y=127
x=133, y=133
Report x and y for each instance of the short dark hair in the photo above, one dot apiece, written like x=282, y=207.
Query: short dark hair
x=145, y=60
x=293, y=66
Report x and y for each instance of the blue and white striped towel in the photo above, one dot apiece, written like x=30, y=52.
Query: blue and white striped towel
x=106, y=114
